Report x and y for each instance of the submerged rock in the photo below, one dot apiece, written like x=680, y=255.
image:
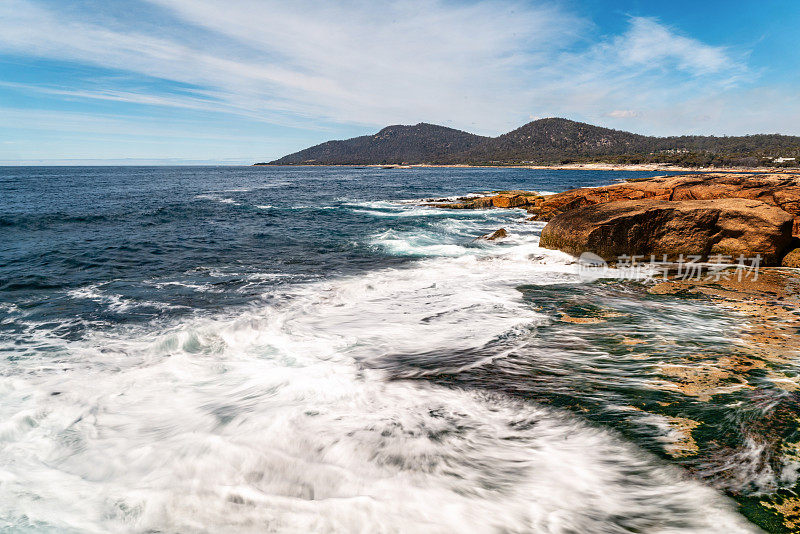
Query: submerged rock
x=730, y=227
x=497, y=234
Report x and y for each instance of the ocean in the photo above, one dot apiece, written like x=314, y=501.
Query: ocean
x=270, y=349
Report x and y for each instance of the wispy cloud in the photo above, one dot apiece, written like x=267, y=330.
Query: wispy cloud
x=633, y=77
x=484, y=67
x=359, y=63
x=622, y=113
x=385, y=62
x=650, y=44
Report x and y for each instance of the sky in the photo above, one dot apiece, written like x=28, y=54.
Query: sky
x=240, y=81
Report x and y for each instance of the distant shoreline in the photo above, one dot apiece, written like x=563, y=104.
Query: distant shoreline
x=648, y=167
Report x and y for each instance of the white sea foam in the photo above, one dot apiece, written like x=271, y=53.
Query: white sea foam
x=216, y=198
x=412, y=208
x=8, y=310
x=273, y=418
x=273, y=185
x=429, y=212
x=311, y=207
x=113, y=302
x=93, y=292
x=189, y=285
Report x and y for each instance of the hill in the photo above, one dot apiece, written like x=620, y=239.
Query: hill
x=552, y=140
x=546, y=141
x=421, y=143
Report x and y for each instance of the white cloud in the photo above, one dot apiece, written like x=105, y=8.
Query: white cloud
x=651, y=44
x=359, y=63
x=404, y=61
x=622, y=113
x=485, y=67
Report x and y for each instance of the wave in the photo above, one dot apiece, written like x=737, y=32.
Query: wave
x=284, y=416
x=412, y=208
x=117, y=303
x=216, y=198
x=430, y=234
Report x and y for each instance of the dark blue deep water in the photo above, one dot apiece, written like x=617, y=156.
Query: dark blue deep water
x=173, y=239
x=256, y=349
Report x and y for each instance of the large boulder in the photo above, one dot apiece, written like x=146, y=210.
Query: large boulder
x=509, y=201
x=792, y=256
x=792, y=259
x=780, y=190
x=730, y=227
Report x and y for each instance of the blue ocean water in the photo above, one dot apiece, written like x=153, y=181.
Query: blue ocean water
x=201, y=349
x=95, y=245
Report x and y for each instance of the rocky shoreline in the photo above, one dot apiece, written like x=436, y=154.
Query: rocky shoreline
x=764, y=368
x=702, y=215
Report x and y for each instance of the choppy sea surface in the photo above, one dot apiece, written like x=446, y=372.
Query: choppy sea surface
x=201, y=349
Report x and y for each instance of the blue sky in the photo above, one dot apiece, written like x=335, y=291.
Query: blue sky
x=238, y=81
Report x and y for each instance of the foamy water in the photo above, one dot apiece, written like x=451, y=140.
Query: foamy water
x=309, y=350
x=277, y=416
